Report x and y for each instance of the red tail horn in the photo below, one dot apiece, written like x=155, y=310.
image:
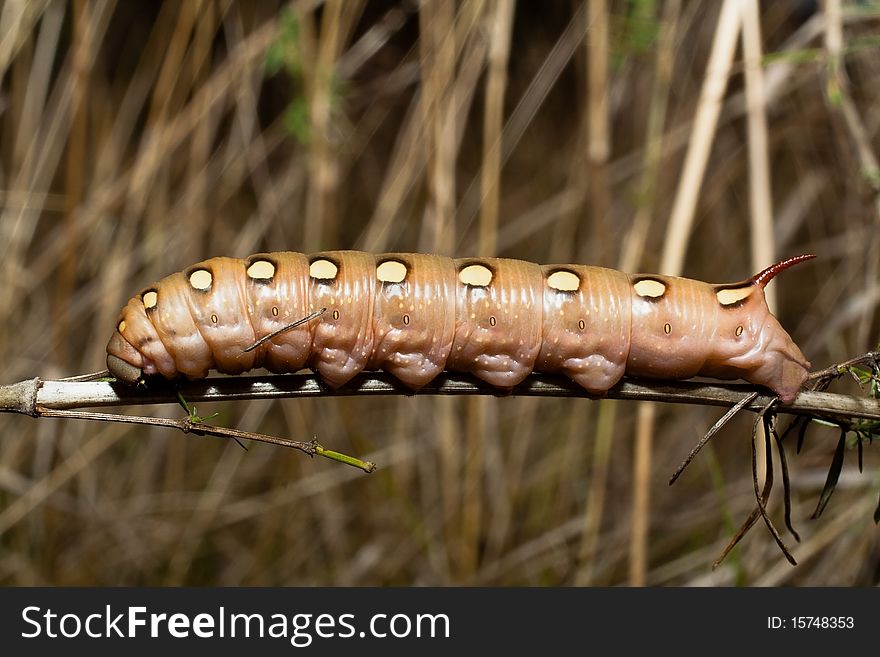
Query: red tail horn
x=761, y=279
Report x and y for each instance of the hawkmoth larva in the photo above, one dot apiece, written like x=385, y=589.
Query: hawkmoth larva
x=414, y=315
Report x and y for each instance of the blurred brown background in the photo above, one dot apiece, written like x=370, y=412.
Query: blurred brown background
x=701, y=138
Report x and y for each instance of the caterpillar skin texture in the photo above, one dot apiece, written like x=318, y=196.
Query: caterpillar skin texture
x=414, y=315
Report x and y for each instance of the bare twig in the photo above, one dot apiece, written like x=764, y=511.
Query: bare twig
x=786, y=483
x=829, y=373
x=33, y=394
x=765, y=418
x=736, y=408
x=193, y=426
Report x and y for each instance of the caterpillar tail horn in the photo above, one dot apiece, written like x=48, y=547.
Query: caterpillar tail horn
x=762, y=278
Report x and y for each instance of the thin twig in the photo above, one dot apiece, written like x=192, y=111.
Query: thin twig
x=835, y=371
x=284, y=329
x=786, y=484
x=22, y=397
x=188, y=425
x=762, y=498
x=711, y=432
x=55, y=394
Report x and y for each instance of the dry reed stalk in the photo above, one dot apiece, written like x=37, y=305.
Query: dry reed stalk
x=839, y=94
x=407, y=162
x=629, y=261
x=210, y=499
x=500, y=26
x=321, y=224
x=592, y=180
x=641, y=505
x=106, y=196
x=634, y=244
x=438, y=59
x=763, y=243
x=679, y=230
x=857, y=514
x=525, y=109
x=17, y=22
x=150, y=197
x=81, y=458
x=74, y=174
x=39, y=159
x=595, y=507
x=598, y=129
x=701, y=138
x=197, y=198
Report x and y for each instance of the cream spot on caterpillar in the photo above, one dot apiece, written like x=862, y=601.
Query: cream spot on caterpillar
x=261, y=270
x=492, y=321
x=733, y=295
x=475, y=275
x=582, y=324
x=323, y=270
x=214, y=319
x=739, y=331
x=667, y=329
x=201, y=279
x=335, y=314
x=649, y=288
x=406, y=320
x=121, y=327
x=274, y=311
x=150, y=299
x=391, y=271
x=564, y=281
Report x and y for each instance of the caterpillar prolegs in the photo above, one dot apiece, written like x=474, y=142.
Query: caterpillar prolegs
x=414, y=315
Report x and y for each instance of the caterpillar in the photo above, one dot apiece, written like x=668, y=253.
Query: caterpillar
x=414, y=315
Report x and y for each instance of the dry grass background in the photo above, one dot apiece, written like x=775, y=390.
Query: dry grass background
x=702, y=138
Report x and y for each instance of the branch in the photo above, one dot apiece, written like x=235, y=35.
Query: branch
x=35, y=396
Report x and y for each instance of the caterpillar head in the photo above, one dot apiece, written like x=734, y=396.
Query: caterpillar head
x=750, y=343
x=121, y=357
